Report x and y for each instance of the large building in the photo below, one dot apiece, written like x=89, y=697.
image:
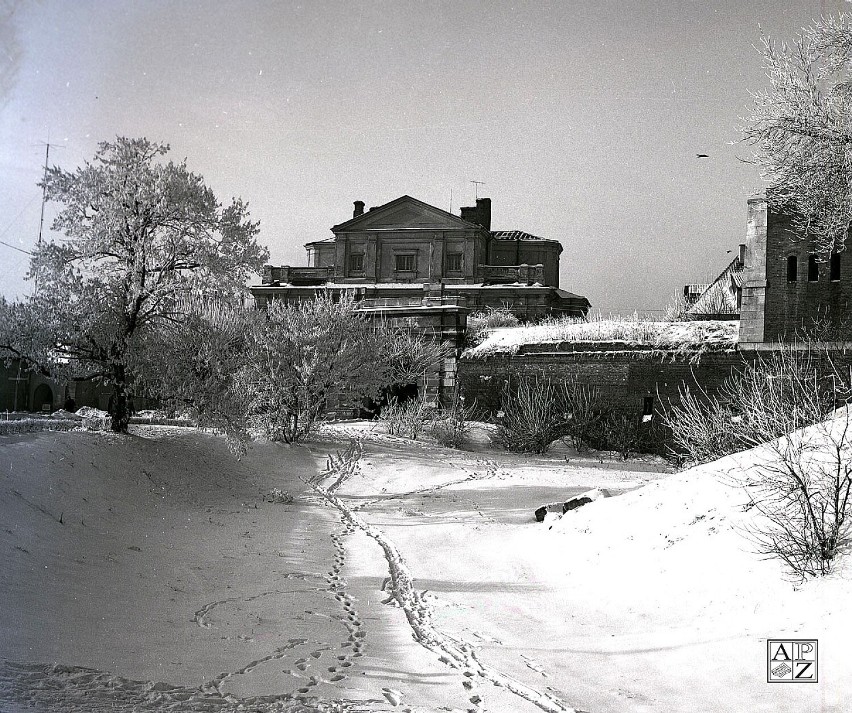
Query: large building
x=402, y=252
x=788, y=289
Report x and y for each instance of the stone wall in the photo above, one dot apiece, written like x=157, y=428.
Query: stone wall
x=775, y=307
x=623, y=379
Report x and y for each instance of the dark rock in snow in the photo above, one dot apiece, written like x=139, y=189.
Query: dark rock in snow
x=575, y=503
x=572, y=504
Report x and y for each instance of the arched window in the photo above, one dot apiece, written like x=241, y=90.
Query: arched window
x=813, y=269
x=835, y=267
x=792, y=268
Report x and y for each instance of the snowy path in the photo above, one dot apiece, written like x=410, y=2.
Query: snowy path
x=452, y=651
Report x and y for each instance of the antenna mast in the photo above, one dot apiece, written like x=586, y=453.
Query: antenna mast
x=47, y=146
x=476, y=185
x=44, y=188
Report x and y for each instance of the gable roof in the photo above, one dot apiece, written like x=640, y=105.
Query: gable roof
x=720, y=296
x=440, y=218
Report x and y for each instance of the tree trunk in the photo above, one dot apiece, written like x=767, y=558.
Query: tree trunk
x=118, y=409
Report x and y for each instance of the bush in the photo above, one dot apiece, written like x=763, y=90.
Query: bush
x=407, y=418
x=803, y=493
x=622, y=434
x=771, y=396
x=450, y=427
x=802, y=489
x=535, y=414
x=585, y=416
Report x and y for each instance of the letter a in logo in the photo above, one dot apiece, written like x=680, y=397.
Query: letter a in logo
x=780, y=653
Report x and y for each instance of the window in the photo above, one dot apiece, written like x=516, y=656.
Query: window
x=835, y=267
x=454, y=262
x=813, y=269
x=792, y=268
x=648, y=406
x=404, y=263
x=356, y=262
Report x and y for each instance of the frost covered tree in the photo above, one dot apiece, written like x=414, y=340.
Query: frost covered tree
x=801, y=130
x=201, y=380
x=140, y=236
x=302, y=358
x=274, y=373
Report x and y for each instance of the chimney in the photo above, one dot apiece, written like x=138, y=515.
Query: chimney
x=483, y=212
x=469, y=214
x=479, y=214
x=359, y=209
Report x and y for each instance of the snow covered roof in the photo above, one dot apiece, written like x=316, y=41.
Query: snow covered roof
x=720, y=296
x=518, y=235
x=699, y=336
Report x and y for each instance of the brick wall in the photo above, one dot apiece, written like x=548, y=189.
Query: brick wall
x=777, y=308
x=623, y=379
x=793, y=306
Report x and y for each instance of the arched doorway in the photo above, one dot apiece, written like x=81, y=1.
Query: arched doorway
x=42, y=395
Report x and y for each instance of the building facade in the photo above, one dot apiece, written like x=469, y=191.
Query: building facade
x=391, y=253
x=788, y=289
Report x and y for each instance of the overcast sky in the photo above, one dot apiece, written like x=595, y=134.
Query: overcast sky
x=582, y=117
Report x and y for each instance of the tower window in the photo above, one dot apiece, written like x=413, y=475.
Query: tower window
x=792, y=268
x=835, y=267
x=813, y=269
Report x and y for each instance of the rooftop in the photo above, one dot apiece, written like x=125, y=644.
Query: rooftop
x=518, y=235
x=629, y=333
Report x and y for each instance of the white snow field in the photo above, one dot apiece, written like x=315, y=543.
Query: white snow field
x=156, y=573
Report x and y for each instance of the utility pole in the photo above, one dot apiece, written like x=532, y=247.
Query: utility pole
x=17, y=379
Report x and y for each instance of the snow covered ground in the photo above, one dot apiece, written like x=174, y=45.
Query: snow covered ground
x=154, y=572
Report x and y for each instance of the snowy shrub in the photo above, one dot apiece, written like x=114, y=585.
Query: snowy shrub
x=702, y=427
x=301, y=358
x=451, y=427
x=803, y=493
x=584, y=424
x=769, y=397
x=802, y=487
x=192, y=368
x=622, y=434
x=406, y=418
x=536, y=412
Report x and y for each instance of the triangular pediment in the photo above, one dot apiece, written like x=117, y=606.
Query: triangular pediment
x=404, y=213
